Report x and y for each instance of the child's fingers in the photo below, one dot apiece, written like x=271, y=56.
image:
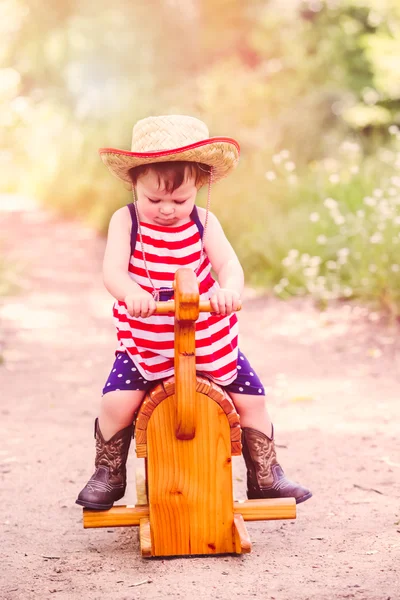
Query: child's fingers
x=235, y=302
x=150, y=307
x=129, y=305
x=214, y=303
x=222, y=302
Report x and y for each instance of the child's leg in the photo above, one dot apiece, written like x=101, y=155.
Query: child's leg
x=265, y=476
x=118, y=409
x=113, y=433
x=253, y=412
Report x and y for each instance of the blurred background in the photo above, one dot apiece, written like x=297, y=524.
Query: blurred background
x=310, y=89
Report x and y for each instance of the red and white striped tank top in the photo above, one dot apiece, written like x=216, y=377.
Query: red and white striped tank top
x=150, y=342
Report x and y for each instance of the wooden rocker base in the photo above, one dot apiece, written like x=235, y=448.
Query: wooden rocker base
x=248, y=510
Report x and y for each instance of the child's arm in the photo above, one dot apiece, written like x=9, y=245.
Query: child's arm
x=225, y=264
x=116, y=264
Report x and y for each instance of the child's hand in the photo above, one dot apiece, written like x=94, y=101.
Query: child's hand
x=225, y=301
x=140, y=304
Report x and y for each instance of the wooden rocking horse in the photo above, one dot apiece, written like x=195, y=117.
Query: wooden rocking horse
x=187, y=430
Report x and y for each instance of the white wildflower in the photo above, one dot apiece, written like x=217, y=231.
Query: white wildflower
x=386, y=155
x=284, y=282
x=354, y=169
x=315, y=261
x=392, y=191
x=277, y=159
x=339, y=219
x=364, y=281
x=395, y=268
x=334, y=178
x=376, y=238
x=369, y=201
x=370, y=95
x=330, y=203
x=285, y=153
x=393, y=130
x=322, y=239
x=310, y=272
x=397, y=220
x=278, y=289
x=350, y=147
x=372, y=268
x=332, y=265
x=378, y=193
x=343, y=252
x=360, y=213
x=270, y=175
x=293, y=253
x=395, y=180
x=287, y=261
x=304, y=259
x=290, y=166
x=314, y=217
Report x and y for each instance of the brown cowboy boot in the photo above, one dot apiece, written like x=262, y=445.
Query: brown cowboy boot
x=108, y=482
x=265, y=477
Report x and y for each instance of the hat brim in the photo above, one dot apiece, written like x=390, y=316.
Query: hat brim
x=221, y=153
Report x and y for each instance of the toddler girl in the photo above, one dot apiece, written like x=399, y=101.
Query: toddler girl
x=162, y=230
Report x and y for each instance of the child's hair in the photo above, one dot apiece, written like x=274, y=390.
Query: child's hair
x=173, y=174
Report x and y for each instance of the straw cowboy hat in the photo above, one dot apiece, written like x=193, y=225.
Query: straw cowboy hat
x=169, y=138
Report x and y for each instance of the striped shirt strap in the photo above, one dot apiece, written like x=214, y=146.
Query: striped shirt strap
x=134, y=228
x=194, y=215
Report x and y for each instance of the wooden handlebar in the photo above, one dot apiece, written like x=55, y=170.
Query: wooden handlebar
x=164, y=308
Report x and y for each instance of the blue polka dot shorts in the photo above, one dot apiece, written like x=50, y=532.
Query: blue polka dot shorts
x=125, y=376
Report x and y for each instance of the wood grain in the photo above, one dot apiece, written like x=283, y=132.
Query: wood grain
x=145, y=537
x=190, y=482
x=186, y=315
x=241, y=536
x=251, y=510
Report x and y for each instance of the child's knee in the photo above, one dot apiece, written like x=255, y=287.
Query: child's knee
x=248, y=401
x=121, y=403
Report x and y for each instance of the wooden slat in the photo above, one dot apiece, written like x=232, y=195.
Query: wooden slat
x=186, y=314
x=190, y=483
x=145, y=537
x=158, y=393
x=141, y=486
x=141, y=437
x=168, y=307
x=169, y=386
x=236, y=448
x=241, y=536
x=251, y=510
x=236, y=434
x=141, y=450
x=118, y=516
x=266, y=509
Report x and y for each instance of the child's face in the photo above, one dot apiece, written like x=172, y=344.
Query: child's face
x=158, y=207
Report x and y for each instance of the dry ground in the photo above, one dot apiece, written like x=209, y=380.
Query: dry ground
x=334, y=392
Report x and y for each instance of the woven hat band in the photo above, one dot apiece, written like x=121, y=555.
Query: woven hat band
x=167, y=132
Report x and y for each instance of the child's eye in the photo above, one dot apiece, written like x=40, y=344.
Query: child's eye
x=153, y=201
x=179, y=201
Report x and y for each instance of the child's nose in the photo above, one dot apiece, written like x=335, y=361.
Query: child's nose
x=167, y=210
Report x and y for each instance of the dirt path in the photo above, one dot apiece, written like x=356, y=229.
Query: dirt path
x=334, y=383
